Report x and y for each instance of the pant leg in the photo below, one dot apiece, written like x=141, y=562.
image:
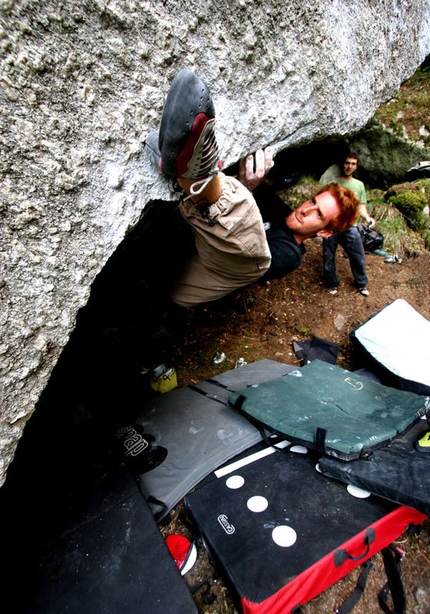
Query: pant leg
x=231, y=243
x=198, y=284
x=330, y=277
x=353, y=245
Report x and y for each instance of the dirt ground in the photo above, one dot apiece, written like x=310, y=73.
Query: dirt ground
x=261, y=321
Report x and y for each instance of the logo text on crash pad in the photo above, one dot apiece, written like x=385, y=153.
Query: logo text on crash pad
x=228, y=528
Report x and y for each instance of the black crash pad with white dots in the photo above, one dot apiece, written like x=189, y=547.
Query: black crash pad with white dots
x=281, y=532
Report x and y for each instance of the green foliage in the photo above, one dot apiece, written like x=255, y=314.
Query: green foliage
x=409, y=108
x=424, y=186
x=391, y=227
x=398, y=237
x=426, y=238
x=248, y=301
x=412, y=204
x=413, y=282
x=375, y=196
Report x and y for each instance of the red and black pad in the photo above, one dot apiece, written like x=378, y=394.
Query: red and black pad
x=282, y=533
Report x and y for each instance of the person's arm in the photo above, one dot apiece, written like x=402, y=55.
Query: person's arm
x=362, y=212
x=362, y=209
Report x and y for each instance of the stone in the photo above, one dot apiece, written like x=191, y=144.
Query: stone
x=339, y=322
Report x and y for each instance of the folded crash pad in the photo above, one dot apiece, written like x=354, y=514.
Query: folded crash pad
x=331, y=409
x=397, y=339
x=180, y=437
x=399, y=471
x=281, y=533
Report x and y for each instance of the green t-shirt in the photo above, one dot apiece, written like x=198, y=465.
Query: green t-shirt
x=356, y=186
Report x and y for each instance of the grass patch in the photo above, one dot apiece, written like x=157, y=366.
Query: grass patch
x=398, y=237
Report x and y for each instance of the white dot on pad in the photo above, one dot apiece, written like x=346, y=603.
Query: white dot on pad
x=299, y=449
x=357, y=492
x=257, y=504
x=235, y=481
x=284, y=536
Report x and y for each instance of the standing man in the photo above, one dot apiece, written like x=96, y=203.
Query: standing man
x=349, y=239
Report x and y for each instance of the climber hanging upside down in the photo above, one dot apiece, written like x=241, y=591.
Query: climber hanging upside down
x=235, y=245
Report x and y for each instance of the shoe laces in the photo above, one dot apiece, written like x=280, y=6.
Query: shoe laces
x=204, y=160
x=195, y=190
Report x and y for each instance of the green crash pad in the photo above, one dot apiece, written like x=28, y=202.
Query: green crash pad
x=331, y=409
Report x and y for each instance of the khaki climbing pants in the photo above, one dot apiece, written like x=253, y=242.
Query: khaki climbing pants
x=232, y=249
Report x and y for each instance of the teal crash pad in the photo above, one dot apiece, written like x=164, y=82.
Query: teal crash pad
x=331, y=409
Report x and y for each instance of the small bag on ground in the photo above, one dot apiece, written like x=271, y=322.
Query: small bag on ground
x=371, y=238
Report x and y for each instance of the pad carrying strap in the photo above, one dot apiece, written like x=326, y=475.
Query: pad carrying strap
x=392, y=558
x=320, y=436
x=356, y=594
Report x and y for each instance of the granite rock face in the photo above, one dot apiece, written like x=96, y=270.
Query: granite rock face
x=82, y=83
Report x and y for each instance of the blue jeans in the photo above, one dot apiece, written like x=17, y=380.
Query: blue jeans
x=351, y=242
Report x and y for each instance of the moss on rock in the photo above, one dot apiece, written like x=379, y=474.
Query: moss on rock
x=413, y=203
